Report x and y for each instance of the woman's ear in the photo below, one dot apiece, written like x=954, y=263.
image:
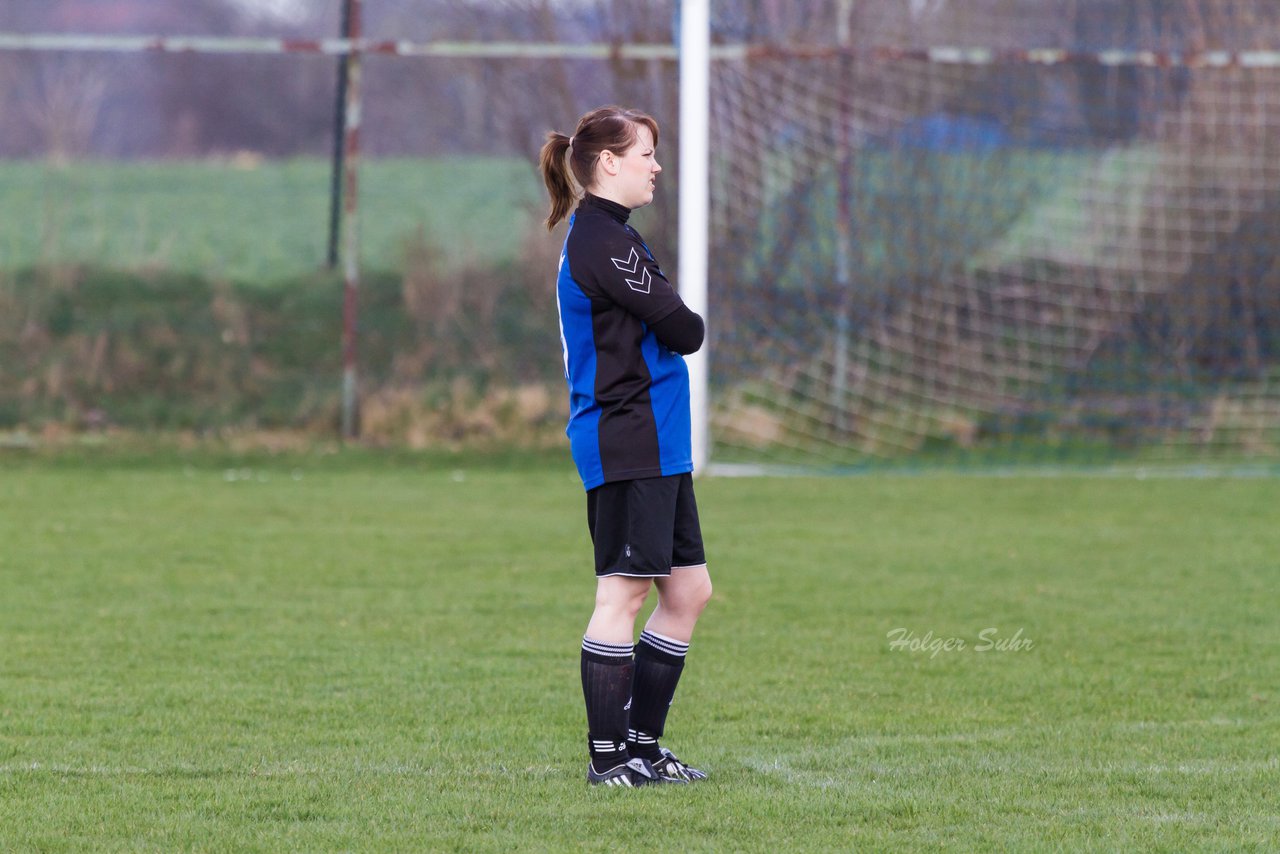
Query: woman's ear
x=609, y=162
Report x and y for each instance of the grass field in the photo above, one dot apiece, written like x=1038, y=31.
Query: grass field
x=360, y=655
x=257, y=221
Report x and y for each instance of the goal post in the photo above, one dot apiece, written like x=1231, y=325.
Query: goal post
x=694, y=203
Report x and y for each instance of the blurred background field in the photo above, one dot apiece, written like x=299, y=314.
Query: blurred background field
x=250, y=219
x=186, y=296
x=1056, y=248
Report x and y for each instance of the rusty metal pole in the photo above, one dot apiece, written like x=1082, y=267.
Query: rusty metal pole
x=350, y=228
x=339, y=144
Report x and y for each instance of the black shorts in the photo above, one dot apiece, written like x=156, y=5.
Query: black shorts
x=645, y=528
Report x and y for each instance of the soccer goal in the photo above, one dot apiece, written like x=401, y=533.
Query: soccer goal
x=1046, y=246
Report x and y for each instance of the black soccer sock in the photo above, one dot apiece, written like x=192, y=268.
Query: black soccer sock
x=606, y=686
x=659, y=661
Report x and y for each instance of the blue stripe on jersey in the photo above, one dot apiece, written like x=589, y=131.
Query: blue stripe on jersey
x=579, y=349
x=669, y=394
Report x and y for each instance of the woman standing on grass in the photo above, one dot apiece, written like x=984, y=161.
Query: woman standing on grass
x=623, y=330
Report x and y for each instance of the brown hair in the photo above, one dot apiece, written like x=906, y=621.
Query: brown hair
x=605, y=128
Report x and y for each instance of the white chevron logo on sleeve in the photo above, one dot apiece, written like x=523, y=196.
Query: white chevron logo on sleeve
x=645, y=282
x=629, y=265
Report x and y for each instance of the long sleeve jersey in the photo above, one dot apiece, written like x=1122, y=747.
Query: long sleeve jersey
x=628, y=391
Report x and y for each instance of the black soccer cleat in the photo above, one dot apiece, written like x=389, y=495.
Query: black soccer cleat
x=672, y=770
x=630, y=774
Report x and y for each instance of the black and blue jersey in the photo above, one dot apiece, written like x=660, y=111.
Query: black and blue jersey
x=622, y=329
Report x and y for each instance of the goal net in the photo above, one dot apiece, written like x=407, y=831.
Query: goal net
x=1057, y=255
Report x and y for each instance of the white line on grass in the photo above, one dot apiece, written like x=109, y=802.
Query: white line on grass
x=1155, y=471
x=872, y=773
x=1056, y=730
x=290, y=769
x=283, y=770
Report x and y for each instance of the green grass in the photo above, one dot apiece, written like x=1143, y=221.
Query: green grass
x=257, y=223
x=321, y=654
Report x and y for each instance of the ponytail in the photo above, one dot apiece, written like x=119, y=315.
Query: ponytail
x=555, y=174
x=562, y=163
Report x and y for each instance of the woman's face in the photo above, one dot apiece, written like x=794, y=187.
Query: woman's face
x=637, y=171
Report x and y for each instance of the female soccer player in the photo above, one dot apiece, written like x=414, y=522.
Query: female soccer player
x=623, y=330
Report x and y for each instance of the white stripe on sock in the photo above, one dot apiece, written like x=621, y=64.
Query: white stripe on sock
x=613, y=650
x=670, y=646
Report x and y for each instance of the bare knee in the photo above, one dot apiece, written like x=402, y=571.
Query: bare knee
x=621, y=600
x=701, y=595
x=687, y=599
x=618, y=601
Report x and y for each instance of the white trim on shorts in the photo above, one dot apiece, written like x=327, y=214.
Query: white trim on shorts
x=666, y=574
